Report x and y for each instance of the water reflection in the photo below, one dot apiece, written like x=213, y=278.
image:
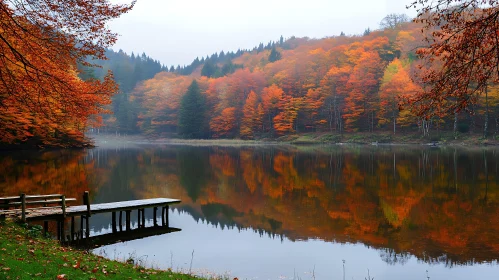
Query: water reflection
x=438, y=205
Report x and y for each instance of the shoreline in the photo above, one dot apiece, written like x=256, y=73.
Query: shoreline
x=307, y=139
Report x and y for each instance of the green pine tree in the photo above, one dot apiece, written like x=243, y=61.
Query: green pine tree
x=191, y=115
x=274, y=55
x=209, y=69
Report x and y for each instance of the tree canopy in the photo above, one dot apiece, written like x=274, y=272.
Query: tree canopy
x=462, y=54
x=41, y=42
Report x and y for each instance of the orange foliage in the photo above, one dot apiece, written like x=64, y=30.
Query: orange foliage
x=225, y=124
x=44, y=103
x=251, y=119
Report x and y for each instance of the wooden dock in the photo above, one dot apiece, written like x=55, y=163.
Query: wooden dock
x=84, y=212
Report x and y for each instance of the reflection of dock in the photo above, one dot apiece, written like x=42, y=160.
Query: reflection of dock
x=84, y=212
x=122, y=236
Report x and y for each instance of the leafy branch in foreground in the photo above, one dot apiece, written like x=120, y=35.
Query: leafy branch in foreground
x=42, y=99
x=462, y=55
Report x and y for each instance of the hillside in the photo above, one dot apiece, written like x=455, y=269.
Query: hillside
x=300, y=85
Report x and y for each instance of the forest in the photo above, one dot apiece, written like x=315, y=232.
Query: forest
x=393, y=80
x=341, y=84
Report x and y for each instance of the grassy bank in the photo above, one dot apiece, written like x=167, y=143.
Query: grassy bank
x=25, y=254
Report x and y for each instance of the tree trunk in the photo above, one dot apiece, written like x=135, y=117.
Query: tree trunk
x=472, y=120
x=486, y=126
x=455, y=125
x=394, y=122
x=331, y=116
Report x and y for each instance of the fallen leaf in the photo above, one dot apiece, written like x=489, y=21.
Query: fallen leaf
x=77, y=265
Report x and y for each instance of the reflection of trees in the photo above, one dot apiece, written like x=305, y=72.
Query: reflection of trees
x=117, y=175
x=391, y=257
x=63, y=171
x=192, y=166
x=439, y=205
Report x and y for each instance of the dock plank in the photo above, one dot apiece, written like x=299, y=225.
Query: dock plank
x=48, y=201
x=102, y=207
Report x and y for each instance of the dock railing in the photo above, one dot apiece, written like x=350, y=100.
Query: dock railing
x=10, y=205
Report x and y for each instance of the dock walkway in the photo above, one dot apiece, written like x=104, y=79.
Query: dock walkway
x=44, y=213
x=84, y=212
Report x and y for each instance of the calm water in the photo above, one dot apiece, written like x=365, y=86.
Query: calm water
x=281, y=213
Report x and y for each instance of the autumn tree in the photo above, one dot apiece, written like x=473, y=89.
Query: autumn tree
x=284, y=122
x=488, y=108
x=393, y=20
x=251, y=119
x=335, y=88
x=224, y=125
x=271, y=96
x=191, y=116
x=462, y=36
x=359, y=111
x=395, y=84
x=43, y=100
x=159, y=101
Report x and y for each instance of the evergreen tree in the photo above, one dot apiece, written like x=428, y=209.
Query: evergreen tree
x=191, y=115
x=260, y=48
x=269, y=46
x=209, y=69
x=281, y=40
x=274, y=55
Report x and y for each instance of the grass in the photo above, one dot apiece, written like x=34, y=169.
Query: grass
x=26, y=254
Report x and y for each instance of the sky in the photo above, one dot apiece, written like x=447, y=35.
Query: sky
x=175, y=32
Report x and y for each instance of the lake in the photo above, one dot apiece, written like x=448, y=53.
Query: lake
x=283, y=212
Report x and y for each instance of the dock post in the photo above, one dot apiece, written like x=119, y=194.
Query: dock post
x=58, y=230
x=155, y=216
x=87, y=227
x=63, y=200
x=63, y=238
x=45, y=227
x=23, y=207
x=113, y=222
x=167, y=216
x=72, y=228
x=127, y=218
x=81, y=226
x=121, y=222
x=143, y=217
x=138, y=218
x=86, y=201
x=164, y=216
